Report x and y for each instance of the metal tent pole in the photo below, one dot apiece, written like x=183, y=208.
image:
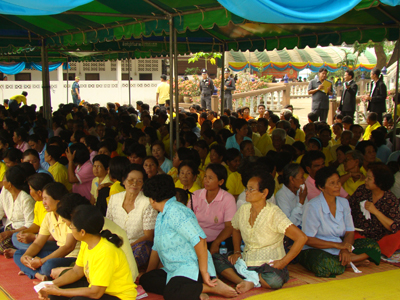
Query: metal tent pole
x=129, y=77
x=396, y=95
x=171, y=85
x=46, y=85
x=67, y=78
x=176, y=89
x=223, y=81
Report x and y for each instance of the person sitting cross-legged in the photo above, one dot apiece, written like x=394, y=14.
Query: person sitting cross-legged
x=262, y=226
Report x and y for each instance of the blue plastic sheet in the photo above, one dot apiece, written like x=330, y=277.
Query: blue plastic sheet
x=293, y=11
x=38, y=7
x=12, y=69
x=52, y=67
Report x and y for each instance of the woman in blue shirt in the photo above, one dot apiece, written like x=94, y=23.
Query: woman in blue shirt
x=328, y=223
x=241, y=127
x=180, y=245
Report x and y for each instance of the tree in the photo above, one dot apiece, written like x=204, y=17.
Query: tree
x=207, y=56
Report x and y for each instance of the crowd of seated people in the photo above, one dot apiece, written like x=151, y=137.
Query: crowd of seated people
x=101, y=195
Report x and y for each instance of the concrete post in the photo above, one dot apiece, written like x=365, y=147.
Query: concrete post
x=119, y=80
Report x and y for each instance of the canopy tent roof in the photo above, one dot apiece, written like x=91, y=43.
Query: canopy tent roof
x=202, y=25
x=299, y=59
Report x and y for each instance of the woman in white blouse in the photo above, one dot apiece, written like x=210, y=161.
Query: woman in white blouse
x=262, y=226
x=132, y=211
x=16, y=204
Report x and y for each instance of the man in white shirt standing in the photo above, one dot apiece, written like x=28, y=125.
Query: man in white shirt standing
x=162, y=93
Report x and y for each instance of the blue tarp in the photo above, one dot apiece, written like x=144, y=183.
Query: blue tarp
x=15, y=68
x=293, y=11
x=38, y=7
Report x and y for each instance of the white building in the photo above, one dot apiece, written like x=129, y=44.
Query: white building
x=100, y=82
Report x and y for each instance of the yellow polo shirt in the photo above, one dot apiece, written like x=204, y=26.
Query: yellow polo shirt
x=40, y=212
x=58, y=230
x=115, y=189
x=369, y=129
x=60, y=174
x=300, y=135
x=234, y=184
x=263, y=142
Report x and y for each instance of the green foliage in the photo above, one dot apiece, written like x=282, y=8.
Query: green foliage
x=207, y=56
x=192, y=71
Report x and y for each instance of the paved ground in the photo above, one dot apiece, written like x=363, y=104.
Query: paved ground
x=301, y=108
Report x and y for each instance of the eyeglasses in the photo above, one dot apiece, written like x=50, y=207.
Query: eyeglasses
x=250, y=190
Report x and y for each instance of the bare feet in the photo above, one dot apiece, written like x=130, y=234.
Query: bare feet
x=9, y=253
x=223, y=290
x=41, y=277
x=204, y=296
x=20, y=273
x=244, y=286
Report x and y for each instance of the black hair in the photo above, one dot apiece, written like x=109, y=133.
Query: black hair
x=191, y=164
x=361, y=146
x=90, y=219
x=343, y=148
x=202, y=144
x=383, y=177
x=103, y=159
x=373, y=116
x=13, y=154
x=299, y=146
x=117, y=166
x=225, y=119
x=238, y=124
x=266, y=180
x=68, y=203
x=22, y=133
x=221, y=173
x=376, y=71
x=244, y=143
x=159, y=188
x=182, y=196
x=133, y=167
x=313, y=117
x=322, y=70
x=92, y=142
x=322, y=176
x=55, y=190
x=55, y=152
x=151, y=158
x=274, y=118
x=309, y=157
x=82, y=154
x=219, y=149
x=138, y=149
x=78, y=135
x=350, y=73
x=378, y=137
x=39, y=180
x=316, y=141
x=348, y=120
x=231, y=154
x=110, y=144
x=16, y=175
x=225, y=134
x=159, y=143
x=30, y=152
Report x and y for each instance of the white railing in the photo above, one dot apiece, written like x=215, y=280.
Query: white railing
x=274, y=98
x=92, y=91
x=299, y=90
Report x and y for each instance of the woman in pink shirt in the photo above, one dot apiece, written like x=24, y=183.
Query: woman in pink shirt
x=20, y=139
x=80, y=169
x=214, y=208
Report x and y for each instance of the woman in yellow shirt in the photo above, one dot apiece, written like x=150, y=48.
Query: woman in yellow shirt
x=59, y=171
x=23, y=239
x=187, y=174
x=100, y=259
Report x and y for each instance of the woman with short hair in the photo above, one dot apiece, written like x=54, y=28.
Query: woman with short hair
x=383, y=206
x=329, y=226
x=131, y=210
x=180, y=245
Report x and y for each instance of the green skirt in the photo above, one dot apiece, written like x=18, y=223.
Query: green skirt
x=324, y=264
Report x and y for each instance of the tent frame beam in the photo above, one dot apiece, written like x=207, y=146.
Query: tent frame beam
x=100, y=14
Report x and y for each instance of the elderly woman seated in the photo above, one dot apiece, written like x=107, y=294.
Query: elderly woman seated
x=180, y=245
x=131, y=210
x=329, y=226
x=262, y=226
x=293, y=194
x=375, y=209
